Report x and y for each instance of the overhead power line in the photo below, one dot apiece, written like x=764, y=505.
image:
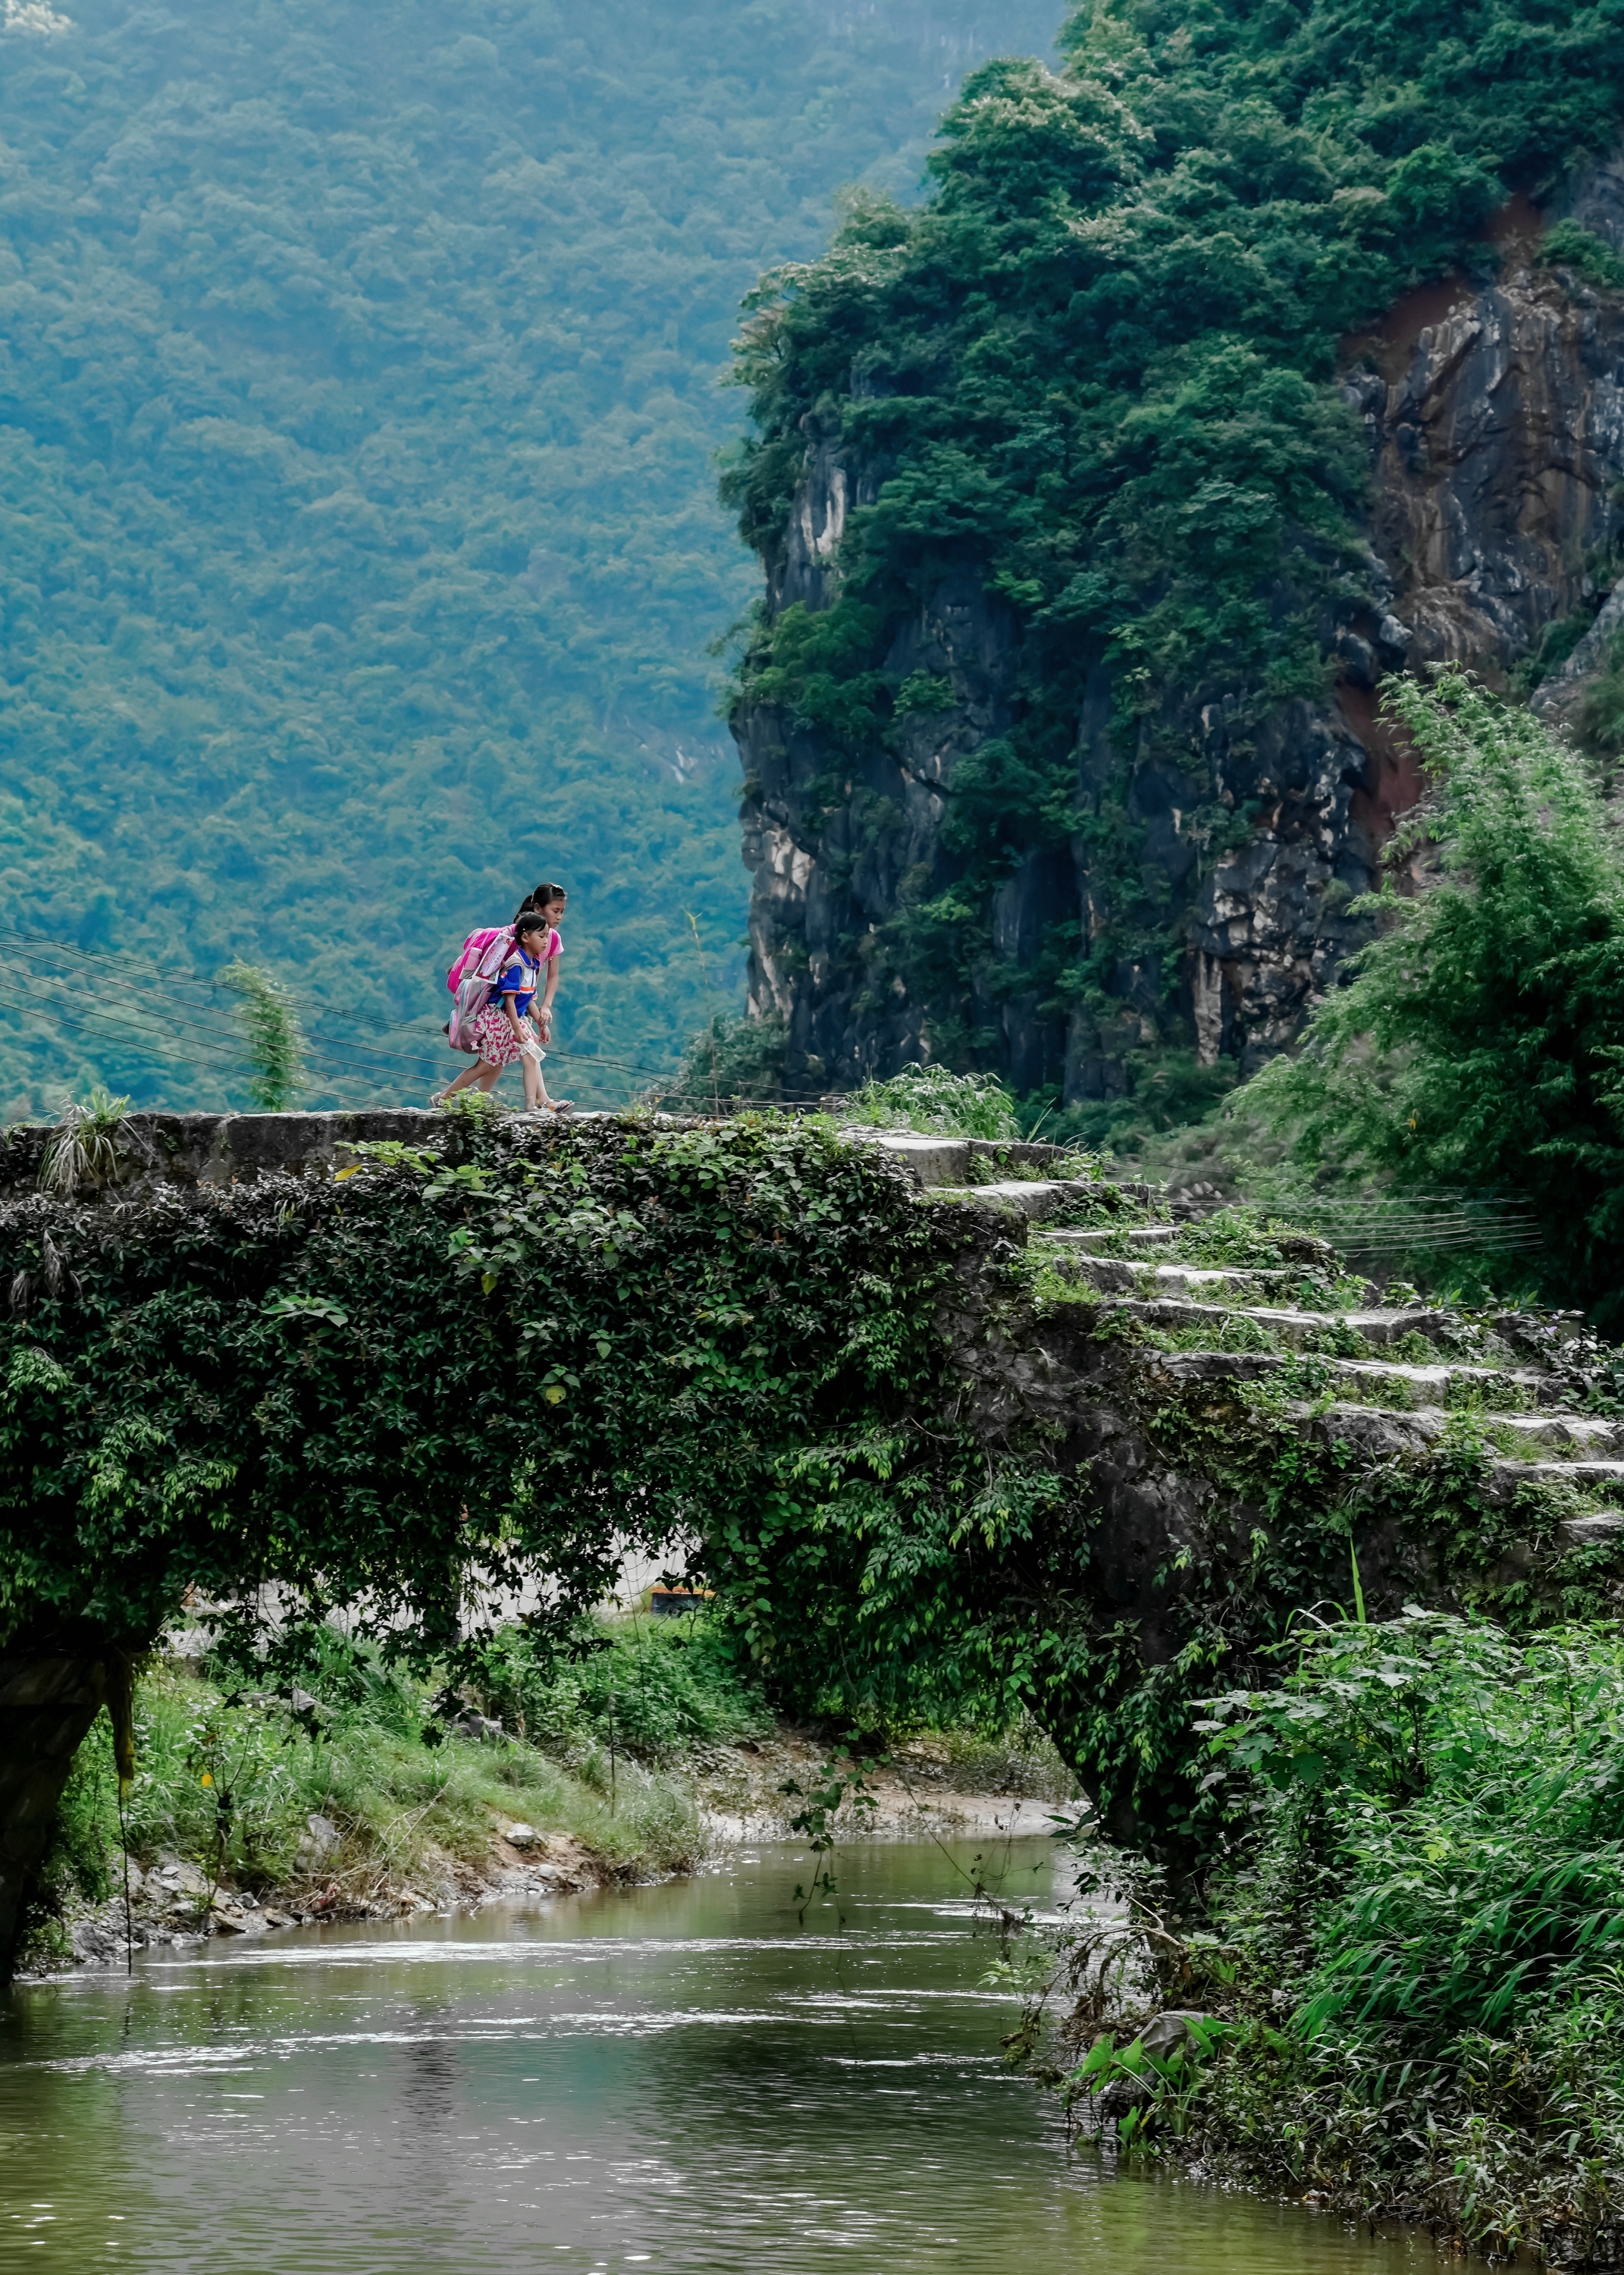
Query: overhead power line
x=172, y=980
x=136, y=1024
x=54, y=1015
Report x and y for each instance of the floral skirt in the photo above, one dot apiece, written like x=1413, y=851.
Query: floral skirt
x=494, y=1039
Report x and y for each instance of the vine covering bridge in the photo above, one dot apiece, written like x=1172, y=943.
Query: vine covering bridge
x=932, y=1417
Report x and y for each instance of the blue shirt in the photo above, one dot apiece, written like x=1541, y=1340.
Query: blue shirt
x=517, y=983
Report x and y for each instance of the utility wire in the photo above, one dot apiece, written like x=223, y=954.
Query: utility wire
x=324, y=1045
x=53, y=1015
x=172, y=982
x=130, y=1016
x=318, y=1038
x=126, y=1025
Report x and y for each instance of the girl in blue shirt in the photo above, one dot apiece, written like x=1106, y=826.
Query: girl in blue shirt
x=505, y=1030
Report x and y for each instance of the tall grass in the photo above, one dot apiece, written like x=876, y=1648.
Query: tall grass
x=83, y=1150
x=656, y=1689
x=1416, y=1961
x=228, y=1782
x=937, y=1104
x=272, y=1034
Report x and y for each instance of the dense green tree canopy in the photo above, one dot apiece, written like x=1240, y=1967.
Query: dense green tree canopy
x=357, y=420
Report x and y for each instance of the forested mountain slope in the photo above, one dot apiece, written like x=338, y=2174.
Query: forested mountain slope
x=356, y=424
x=1261, y=350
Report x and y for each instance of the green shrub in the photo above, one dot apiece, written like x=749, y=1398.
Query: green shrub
x=1478, y=1043
x=1411, y=1968
x=1567, y=245
x=1601, y=709
x=1556, y=644
x=79, y=1861
x=656, y=1687
x=1166, y=1089
x=938, y=1104
x=731, y=1066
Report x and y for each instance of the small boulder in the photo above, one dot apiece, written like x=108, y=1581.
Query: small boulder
x=321, y=1837
x=95, y=1943
x=181, y=1878
x=1167, y=2032
x=1601, y=1526
x=522, y=1836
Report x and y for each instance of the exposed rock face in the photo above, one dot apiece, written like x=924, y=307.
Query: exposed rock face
x=1495, y=420
x=1497, y=438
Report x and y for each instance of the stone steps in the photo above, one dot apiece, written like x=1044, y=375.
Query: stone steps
x=1428, y=1382
x=1598, y=1528
x=1573, y=1435
x=1385, y=1405
x=1035, y=1199
x=1386, y=1411
x=1582, y=1431
x=1297, y=1330
x=1096, y=1235
x=937, y=1162
x=1509, y=1471
x=1114, y=1276
x=943, y=1164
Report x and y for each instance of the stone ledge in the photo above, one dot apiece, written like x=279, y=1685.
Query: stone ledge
x=192, y=1150
x=221, y=1149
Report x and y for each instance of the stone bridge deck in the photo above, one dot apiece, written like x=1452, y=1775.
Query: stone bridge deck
x=219, y=1149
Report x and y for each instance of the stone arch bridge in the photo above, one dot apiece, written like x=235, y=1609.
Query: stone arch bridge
x=1213, y=1419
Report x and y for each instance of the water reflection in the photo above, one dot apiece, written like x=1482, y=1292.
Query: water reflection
x=679, y=2078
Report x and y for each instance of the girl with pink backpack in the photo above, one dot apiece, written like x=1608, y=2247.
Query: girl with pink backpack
x=503, y=982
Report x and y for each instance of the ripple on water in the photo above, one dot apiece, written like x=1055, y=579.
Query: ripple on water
x=680, y=2078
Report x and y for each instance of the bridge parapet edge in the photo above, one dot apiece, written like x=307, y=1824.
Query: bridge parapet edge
x=192, y=1150
x=219, y=1149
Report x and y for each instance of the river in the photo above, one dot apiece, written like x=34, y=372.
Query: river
x=671, y=2078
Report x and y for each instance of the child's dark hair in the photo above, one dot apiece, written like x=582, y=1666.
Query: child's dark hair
x=529, y=920
x=543, y=898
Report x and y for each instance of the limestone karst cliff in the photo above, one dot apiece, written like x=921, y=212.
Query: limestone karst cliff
x=1492, y=413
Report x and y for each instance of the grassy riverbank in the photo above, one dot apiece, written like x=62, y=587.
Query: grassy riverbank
x=359, y=1797
x=1411, y=1984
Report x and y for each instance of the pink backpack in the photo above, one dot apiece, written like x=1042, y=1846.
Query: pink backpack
x=472, y=979
x=475, y=947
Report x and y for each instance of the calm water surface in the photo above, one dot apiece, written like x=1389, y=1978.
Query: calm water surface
x=676, y=2078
